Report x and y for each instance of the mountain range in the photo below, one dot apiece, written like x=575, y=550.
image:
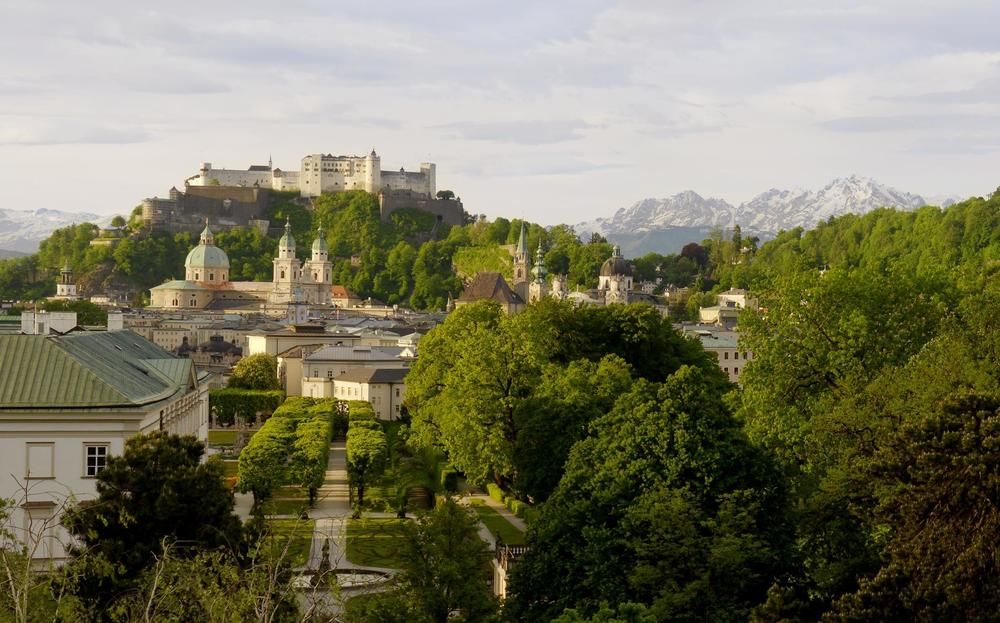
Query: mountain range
x=22, y=230
x=664, y=225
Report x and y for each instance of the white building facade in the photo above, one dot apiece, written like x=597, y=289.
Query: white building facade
x=67, y=404
x=325, y=173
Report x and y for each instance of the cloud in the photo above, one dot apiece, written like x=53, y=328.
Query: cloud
x=535, y=132
x=54, y=132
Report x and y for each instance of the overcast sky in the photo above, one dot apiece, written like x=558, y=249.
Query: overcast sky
x=557, y=111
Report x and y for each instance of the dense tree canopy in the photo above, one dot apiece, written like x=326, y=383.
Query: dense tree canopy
x=157, y=492
x=665, y=503
x=487, y=383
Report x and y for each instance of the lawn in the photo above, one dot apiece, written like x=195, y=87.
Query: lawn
x=296, y=534
x=497, y=525
x=375, y=542
x=221, y=437
x=285, y=507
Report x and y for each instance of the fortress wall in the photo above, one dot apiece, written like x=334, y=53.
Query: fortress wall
x=413, y=182
x=449, y=212
x=233, y=177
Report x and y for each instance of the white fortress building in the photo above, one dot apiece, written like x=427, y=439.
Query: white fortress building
x=324, y=173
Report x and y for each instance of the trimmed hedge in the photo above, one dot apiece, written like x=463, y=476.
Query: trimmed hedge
x=292, y=447
x=495, y=492
x=230, y=403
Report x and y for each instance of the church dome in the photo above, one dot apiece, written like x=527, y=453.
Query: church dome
x=319, y=244
x=207, y=256
x=615, y=265
x=287, y=241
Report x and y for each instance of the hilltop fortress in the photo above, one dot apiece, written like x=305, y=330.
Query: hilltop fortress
x=240, y=198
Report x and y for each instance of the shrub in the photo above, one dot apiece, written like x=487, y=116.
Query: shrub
x=449, y=478
x=230, y=403
x=495, y=492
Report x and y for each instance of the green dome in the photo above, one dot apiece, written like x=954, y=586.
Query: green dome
x=207, y=256
x=319, y=244
x=287, y=241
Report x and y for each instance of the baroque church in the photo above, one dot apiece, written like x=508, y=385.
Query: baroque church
x=532, y=283
x=206, y=283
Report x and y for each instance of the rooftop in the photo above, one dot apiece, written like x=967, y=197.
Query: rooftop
x=85, y=370
x=374, y=375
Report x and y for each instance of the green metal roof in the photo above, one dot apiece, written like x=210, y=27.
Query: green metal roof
x=206, y=256
x=82, y=370
x=178, y=284
x=319, y=244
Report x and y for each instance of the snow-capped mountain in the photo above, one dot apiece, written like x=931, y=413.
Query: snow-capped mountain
x=22, y=230
x=686, y=209
x=767, y=213
x=774, y=210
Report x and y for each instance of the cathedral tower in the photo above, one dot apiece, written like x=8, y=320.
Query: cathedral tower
x=287, y=268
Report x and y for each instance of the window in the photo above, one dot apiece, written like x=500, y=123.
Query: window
x=211, y=276
x=726, y=370
x=40, y=460
x=329, y=374
x=725, y=355
x=736, y=371
x=96, y=459
x=282, y=274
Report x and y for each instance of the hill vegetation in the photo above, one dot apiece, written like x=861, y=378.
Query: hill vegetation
x=412, y=260
x=851, y=477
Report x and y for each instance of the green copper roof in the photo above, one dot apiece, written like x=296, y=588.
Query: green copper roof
x=522, y=244
x=178, y=284
x=86, y=370
x=206, y=256
x=319, y=244
x=287, y=241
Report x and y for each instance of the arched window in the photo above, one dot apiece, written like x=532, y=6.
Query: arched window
x=315, y=276
x=223, y=276
x=196, y=276
x=211, y=276
x=282, y=274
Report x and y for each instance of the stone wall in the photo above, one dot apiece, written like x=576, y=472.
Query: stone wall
x=448, y=211
x=224, y=206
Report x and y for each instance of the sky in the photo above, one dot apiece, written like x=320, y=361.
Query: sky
x=556, y=111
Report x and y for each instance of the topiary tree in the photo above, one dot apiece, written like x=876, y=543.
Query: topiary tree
x=366, y=457
x=258, y=371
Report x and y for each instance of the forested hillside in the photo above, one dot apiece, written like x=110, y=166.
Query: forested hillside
x=409, y=261
x=852, y=477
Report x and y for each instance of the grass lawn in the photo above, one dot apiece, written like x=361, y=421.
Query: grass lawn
x=497, y=525
x=221, y=437
x=284, y=507
x=375, y=542
x=295, y=534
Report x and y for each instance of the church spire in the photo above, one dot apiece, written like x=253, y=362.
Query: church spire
x=522, y=244
x=207, y=238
